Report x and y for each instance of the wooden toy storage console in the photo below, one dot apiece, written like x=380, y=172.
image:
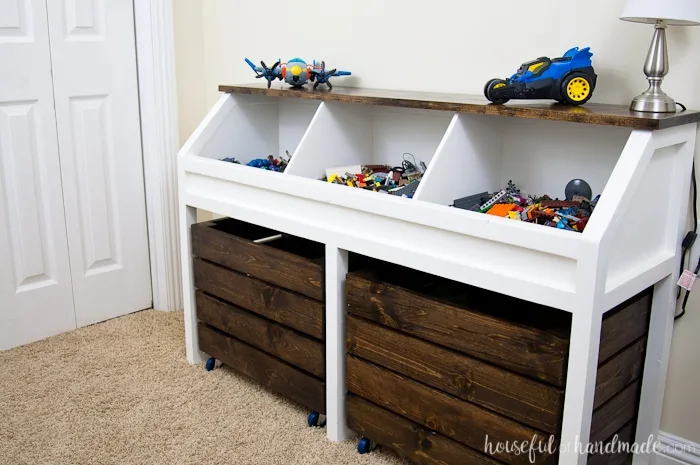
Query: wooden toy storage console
x=469, y=147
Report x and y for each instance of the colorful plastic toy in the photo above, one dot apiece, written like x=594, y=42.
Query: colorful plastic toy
x=569, y=79
x=501, y=209
x=511, y=203
x=270, y=163
x=578, y=187
x=296, y=72
x=402, y=181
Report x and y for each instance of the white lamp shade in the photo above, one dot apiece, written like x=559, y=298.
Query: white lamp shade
x=674, y=12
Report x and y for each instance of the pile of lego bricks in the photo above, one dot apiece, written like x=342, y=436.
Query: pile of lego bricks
x=572, y=215
x=402, y=181
x=270, y=163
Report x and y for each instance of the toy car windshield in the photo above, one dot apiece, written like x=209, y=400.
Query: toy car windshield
x=534, y=66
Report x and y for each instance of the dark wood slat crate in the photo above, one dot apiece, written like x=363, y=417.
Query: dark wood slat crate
x=435, y=359
x=289, y=262
x=260, y=306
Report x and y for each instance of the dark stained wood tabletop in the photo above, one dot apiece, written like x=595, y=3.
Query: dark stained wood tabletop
x=590, y=113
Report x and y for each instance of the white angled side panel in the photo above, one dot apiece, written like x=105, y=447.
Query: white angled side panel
x=339, y=135
x=664, y=299
x=652, y=201
x=97, y=110
x=467, y=161
x=35, y=292
x=208, y=127
x=249, y=129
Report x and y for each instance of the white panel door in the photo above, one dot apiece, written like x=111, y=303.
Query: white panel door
x=36, y=299
x=97, y=110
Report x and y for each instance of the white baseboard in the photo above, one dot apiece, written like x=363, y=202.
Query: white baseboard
x=674, y=450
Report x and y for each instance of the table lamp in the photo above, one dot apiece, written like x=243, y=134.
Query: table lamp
x=661, y=13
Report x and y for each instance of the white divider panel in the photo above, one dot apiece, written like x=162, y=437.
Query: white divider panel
x=403, y=130
x=295, y=115
x=338, y=135
x=467, y=161
x=251, y=126
x=344, y=134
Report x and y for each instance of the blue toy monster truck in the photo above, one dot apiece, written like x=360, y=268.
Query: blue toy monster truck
x=568, y=79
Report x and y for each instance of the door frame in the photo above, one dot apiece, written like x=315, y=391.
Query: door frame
x=155, y=50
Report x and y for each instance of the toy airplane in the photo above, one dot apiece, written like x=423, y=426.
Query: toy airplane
x=296, y=72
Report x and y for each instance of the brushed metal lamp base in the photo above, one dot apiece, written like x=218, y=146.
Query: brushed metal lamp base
x=655, y=100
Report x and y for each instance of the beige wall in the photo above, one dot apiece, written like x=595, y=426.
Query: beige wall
x=442, y=45
x=190, y=65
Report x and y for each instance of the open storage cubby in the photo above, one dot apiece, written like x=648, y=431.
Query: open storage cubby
x=481, y=154
x=246, y=127
x=568, y=316
x=346, y=134
x=434, y=355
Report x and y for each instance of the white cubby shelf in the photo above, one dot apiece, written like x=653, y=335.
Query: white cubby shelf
x=344, y=134
x=465, y=153
x=640, y=164
x=246, y=127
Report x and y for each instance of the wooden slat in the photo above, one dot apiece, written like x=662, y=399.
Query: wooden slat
x=286, y=307
x=591, y=113
x=259, y=260
x=525, y=400
x=619, y=371
x=616, y=456
x=273, y=338
x=624, y=325
x=614, y=414
x=267, y=370
x=453, y=417
x=409, y=439
x=525, y=350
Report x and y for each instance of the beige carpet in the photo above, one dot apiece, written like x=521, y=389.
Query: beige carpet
x=121, y=392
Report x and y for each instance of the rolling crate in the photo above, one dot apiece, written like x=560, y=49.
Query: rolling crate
x=434, y=366
x=260, y=307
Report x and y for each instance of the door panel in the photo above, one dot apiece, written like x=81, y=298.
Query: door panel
x=94, y=68
x=36, y=298
x=16, y=21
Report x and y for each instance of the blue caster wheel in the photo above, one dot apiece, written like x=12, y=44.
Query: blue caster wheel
x=211, y=363
x=364, y=446
x=313, y=419
x=316, y=419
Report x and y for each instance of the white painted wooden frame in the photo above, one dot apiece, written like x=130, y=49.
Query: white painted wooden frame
x=155, y=49
x=628, y=245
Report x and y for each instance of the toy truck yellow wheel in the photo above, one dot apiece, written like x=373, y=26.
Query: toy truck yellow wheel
x=492, y=85
x=576, y=89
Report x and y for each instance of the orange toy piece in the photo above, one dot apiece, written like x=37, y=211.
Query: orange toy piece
x=501, y=209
